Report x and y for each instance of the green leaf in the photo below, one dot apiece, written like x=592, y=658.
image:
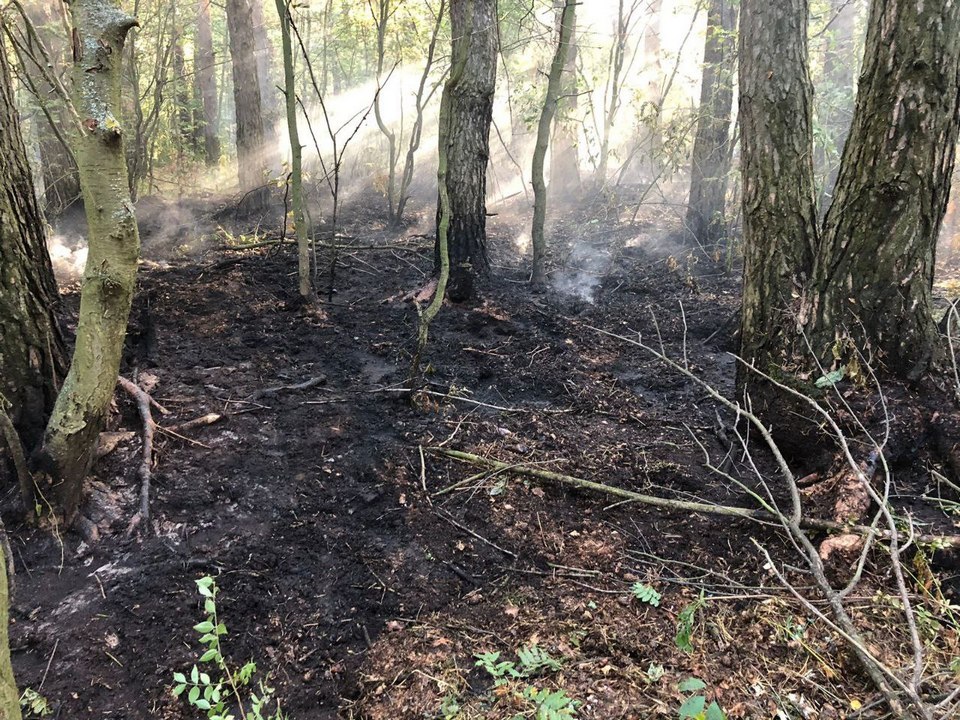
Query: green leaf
x=692, y=684
x=692, y=707
x=209, y=655
x=202, y=705
x=203, y=627
x=194, y=674
x=831, y=378
x=209, y=606
x=179, y=677
x=193, y=694
x=646, y=594
x=714, y=712
x=178, y=690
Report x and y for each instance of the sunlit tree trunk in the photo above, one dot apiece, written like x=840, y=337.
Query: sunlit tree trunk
x=538, y=238
x=564, y=154
x=836, y=94
x=32, y=356
x=779, y=210
x=304, y=279
x=382, y=16
x=873, y=279
x=99, y=30
x=652, y=51
x=205, y=66
x=251, y=148
x=61, y=181
x=615, y=65
x=710, y=161
x=471, y=111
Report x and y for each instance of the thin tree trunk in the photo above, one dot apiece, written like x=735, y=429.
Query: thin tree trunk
x=305, y=284
x=710, y=161
x=471, y=111
x=205, y=67
x=246, y=95
x=32, y=355
x=779, y=209
x=382, y=18
x=873, y=279
x=652, y=134
x=9, y=695
x=564, y=155
x=543, y=138
x=99, y=30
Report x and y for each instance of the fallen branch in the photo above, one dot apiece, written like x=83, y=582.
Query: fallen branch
x=202, y=421
x=134, y=390
x=305, y=385
x=142, y=518
x=680, y=505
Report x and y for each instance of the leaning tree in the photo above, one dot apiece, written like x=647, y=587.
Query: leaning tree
x=474, y=24
x=862, y=283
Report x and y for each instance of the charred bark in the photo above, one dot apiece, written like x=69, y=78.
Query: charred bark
x=710, y=162
x=471, y=111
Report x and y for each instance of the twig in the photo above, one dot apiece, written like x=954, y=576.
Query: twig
x=142, y=518
x=202, y=421
x=479, y=537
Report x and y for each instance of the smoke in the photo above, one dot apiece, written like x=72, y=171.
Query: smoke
x=69, y=257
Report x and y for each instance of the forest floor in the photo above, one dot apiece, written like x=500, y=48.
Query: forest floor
x=362, y=591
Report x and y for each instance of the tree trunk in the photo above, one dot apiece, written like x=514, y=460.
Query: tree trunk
x=382, y=18
x=9, y=696
x=653, y=117
x=872, y=282
x=99, y=30
x=539, y=241
x=304, y=279
x=564, y=155
x=836, y=95
x=61, y=181
x=471, y=111
x=205, y=66
x=779, y=210
x=251, y=148
x=710, y=161
x=32, y=356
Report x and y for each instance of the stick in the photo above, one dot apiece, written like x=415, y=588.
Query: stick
x=684, y=505
x=146, y=466
x=208, y=419
x=305, y=385
x=134, y=390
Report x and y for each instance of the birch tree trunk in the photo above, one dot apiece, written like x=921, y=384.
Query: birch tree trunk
x=779, y=209
x=710, y=161
x=471, y=111
x=99, y=30
x=873, y=279
x=543, y=138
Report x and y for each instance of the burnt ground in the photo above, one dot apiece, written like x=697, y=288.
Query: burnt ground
x=362, y=592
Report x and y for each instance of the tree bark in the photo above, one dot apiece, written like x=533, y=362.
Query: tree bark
x=99, y=30
x=471, y=111
x=251, y=148
x=61, y=181
x=873, y=279
x=564, y=154
x=779, y=209
x=9, y=695
x=205, y=68
x=32, y=355
x=710, y=161
x=539, y=241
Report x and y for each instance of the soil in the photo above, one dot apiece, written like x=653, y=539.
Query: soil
x=342, y=572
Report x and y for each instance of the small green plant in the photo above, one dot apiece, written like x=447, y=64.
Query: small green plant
x=655, y=672
x=229, y=684
x=695, y=706
x=34, y=704
x=685, y=624
x=531, y=661
x=646, y=594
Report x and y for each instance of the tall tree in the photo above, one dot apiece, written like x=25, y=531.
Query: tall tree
x=780, y=233
x=251, y=148
x=564, y=153
x=710, y=161
x=547, y=113
x=474, y=24
x=204, y=64
x=881, y=231
x=99, y=30
x=32, y=356
x=866, y=285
